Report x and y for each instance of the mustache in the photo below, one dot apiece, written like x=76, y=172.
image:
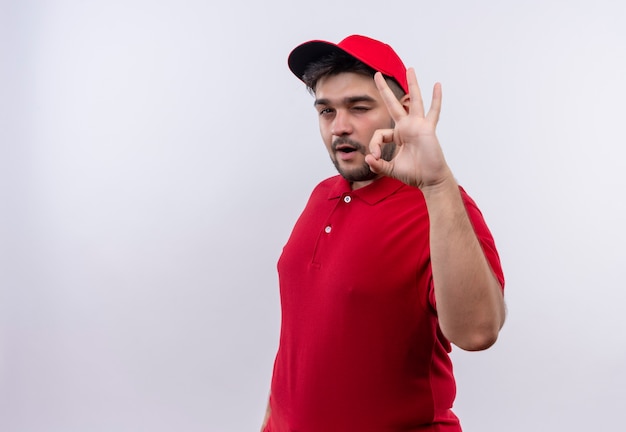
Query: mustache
x=344, y=140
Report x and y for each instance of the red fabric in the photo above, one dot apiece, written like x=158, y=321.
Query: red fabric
x=376, y=54
x=360, y=348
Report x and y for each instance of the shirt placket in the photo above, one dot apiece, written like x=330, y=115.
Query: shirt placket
x=330, y=229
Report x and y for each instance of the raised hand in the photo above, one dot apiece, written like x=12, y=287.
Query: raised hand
x=419, y=160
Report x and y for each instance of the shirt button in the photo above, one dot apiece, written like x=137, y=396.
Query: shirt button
x=327, y=229
x=347, y=199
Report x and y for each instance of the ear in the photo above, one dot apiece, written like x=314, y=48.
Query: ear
x=405, y=101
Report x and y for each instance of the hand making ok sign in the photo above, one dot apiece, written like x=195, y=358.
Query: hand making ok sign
x=419, y=160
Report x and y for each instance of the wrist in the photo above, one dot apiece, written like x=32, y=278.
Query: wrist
x=445, y=185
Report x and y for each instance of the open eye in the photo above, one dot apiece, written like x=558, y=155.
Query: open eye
x=325, y=111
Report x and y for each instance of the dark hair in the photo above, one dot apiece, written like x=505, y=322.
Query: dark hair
x=337, y=63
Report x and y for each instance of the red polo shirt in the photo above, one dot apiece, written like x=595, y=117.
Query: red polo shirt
x=360, y=346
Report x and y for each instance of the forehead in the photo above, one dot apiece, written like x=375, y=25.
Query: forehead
x=345, y=85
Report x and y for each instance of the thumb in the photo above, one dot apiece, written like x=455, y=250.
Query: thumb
x=379, y=165
x=374, y=159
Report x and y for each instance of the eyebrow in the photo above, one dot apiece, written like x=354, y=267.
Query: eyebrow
x=346, y=101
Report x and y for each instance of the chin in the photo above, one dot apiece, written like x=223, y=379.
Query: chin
x=357, y=174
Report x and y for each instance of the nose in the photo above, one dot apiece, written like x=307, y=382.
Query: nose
x=341, y=124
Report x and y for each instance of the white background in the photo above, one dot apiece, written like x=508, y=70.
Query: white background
x=155, y=154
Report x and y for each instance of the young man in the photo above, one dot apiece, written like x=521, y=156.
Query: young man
x=389, y=263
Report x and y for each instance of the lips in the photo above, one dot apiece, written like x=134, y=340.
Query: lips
x=345, y=148
x=346, y=152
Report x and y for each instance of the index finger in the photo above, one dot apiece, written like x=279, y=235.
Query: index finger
x=391, y=101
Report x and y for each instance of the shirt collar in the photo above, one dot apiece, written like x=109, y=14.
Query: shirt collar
x=372, y=194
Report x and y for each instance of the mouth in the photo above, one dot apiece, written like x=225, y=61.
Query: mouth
x=345, y=148
x=346, y=152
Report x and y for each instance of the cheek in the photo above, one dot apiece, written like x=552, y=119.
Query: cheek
x=324, y=126
x=325, y=134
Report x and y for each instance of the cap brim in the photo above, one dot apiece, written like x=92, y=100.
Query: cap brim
x=308, y=52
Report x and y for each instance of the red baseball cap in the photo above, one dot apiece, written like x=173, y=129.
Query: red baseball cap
x=377, y=55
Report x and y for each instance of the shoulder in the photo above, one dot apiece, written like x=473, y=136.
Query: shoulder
x=467, y=199
x=332, y=186
x=331, y=182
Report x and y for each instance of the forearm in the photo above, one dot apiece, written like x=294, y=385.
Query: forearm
x=469, y=298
